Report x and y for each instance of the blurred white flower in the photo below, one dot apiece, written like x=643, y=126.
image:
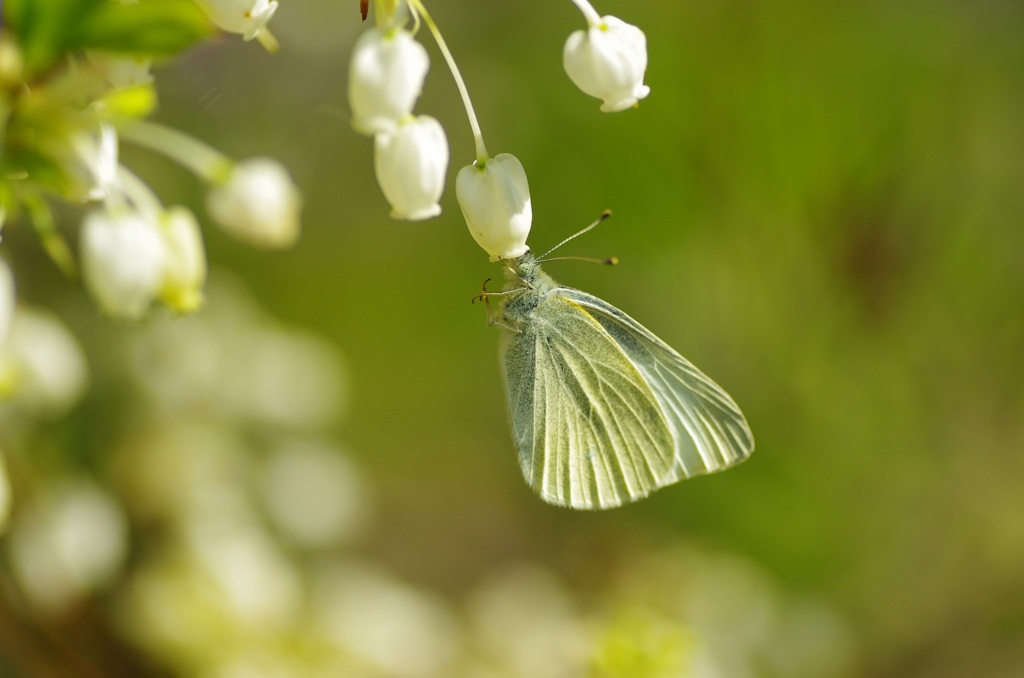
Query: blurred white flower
x=123, y=261
x=234, y=362
x=411, y=164
x=244, y=17
x=313, y=493
x=5, y=495
x=177, y=466
x=738, y=620
x=49, y=369
x=7, y=299
x=258, y=203
x=285, y=378
x=120, y=70
x=260, y=586
x=65, y=542
x=386, y=76
x=525, y=621
x=495, y=201
x=185, y=272
x=372, y=615
x=608, y=61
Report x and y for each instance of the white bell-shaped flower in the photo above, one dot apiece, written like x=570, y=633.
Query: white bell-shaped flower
x=385, y=78
x=495, y=200
x=411, y=164
x=258, y=203
x=123, y=261
x=244, y=17
x=185, y=272
x=608, y=61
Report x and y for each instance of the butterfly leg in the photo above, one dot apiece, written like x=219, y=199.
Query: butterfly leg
x=485, y=297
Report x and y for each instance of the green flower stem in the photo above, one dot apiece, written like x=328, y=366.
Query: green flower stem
x=206, y=161
x=474, y=124
x=140, y=194
x=593, y=18
x=269, y=42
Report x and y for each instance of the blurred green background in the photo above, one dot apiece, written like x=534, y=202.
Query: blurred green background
x=820, y=204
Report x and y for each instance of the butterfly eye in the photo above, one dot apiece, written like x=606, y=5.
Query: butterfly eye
x=523, y=271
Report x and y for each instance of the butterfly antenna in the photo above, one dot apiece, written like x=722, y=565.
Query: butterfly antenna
x=610, y=261
x=604, y=215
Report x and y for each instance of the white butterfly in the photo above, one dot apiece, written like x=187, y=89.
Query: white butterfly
x=604, y=412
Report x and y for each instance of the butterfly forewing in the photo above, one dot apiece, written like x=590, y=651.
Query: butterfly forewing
x=589, y=428
x=710, y=431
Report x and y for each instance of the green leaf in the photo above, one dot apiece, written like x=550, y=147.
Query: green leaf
x=41, y=27
x=150, y=28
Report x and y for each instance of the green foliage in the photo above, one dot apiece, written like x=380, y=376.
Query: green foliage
x=155, y=28
x=48, y=29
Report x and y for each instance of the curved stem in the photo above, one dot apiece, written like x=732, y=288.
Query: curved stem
x=204, y=160
x=474, y=124
x=269, y=42
x=593, y=18
x=141, y=195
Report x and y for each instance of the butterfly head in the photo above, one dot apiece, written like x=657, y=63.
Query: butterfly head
x=525, y=267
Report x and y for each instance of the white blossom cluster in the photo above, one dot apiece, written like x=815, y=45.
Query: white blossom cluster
x=386, y=75
x=135, y=251
x=132, y=250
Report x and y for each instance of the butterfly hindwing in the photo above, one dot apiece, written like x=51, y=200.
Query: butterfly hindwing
x=588, y=426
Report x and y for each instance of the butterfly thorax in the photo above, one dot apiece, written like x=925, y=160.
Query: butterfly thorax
x=526, y=285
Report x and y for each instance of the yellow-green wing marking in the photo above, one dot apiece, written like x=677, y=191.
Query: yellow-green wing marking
x=710, y=431
x=589, y=429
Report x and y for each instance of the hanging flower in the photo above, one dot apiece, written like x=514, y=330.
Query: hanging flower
x=258, y=202
x=244, y=17
x=495, y=200
x=185, y=271
x=385, y=78
x=123, y=261
x=411, y=164
x=608, y=61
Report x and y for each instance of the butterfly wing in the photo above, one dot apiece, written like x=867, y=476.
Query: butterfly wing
x=588, y=426
x=709, y=430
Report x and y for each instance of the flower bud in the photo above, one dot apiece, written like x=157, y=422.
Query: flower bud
x=411, y=164
x=608, y=61
x=123, y=261
x=495, y=200
x=245, y=17
x=385, y=78
x=258, y=203
x=185, y=272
